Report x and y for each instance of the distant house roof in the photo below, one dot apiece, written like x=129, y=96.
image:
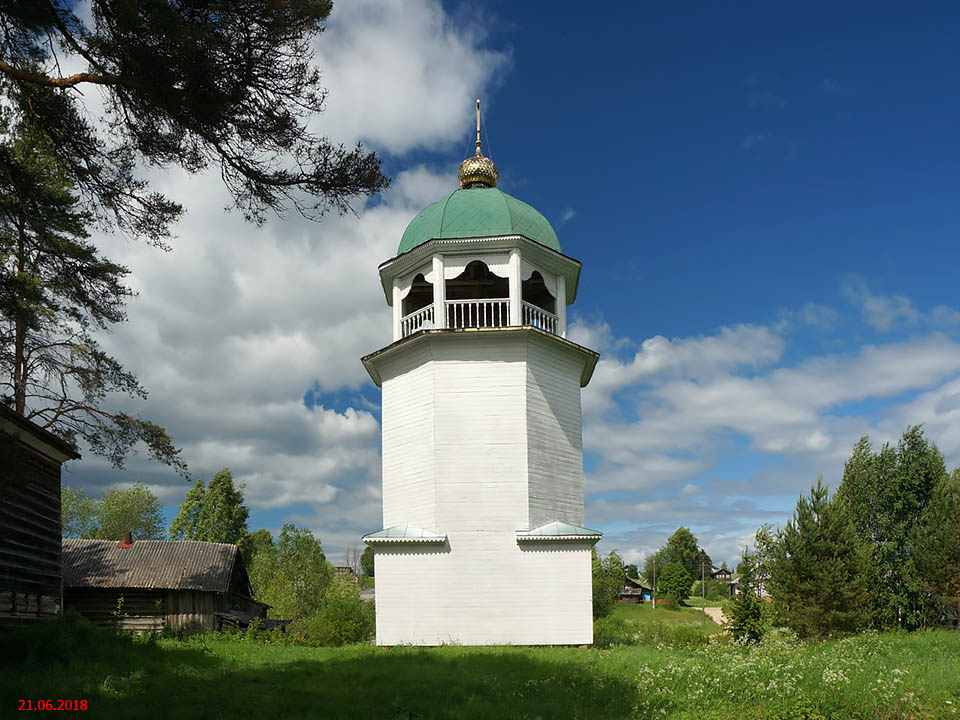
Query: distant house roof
x=404, y=533
x=634, y=582
x=174, y=565
x=559, y=531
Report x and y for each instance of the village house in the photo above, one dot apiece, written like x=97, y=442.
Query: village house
x=145, y=584
x=30, y=571
x=345, y=571
x=634, y=591
x=721, y=574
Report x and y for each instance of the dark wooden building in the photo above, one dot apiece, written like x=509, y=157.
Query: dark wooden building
x=721, y=574
x=30, y=571
x=147, y=584
x=634, y=591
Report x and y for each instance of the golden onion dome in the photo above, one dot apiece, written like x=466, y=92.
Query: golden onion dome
x=479, y=170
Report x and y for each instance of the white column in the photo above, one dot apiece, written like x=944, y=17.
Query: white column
x=561, y=306
x=516, y=296
x=439, y=293
x=397, y=309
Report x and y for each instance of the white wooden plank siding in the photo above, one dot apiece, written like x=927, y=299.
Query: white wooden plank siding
x=554, y=435
x=481, y=438
x=484, y=589
x=409, y=468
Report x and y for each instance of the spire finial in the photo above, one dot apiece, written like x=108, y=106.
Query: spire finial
x=478, y=127
x=478, y=171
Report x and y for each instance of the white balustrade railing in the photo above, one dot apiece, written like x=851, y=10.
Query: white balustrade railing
x=483, y=313
x=409, y=324
x=539, y=318
x=487, y=312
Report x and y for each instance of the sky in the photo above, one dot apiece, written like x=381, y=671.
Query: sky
x=763, y=198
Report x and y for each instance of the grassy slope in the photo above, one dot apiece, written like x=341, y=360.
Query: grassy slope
x=864, y=677
x=645, y=613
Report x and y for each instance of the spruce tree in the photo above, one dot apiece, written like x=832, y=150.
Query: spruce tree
x=745, y=613
x=819, y=569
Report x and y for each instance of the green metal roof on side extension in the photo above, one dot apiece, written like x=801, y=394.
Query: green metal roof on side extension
x=404, y=533
x=478, y=212
x=558, y=531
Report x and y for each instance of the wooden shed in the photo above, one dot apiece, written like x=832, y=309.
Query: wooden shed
x=146, y=584
x=30, y=573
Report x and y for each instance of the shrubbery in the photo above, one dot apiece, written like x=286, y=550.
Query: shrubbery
x=607, y=582
x=341, y=619
x=613, y=631
x=668, y=602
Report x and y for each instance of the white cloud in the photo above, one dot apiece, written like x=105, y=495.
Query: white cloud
x=233, y=327
x=567, y=215
x=400, y=76
x=890, y=312
x=880, y=311
x=742, y=346
x=689, y=406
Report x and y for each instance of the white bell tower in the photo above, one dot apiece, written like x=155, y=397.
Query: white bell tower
x=483, y=539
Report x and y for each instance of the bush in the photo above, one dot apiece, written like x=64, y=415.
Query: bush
x=669, y=602
x=607, y=582
x=341, y=619
x=609, y=631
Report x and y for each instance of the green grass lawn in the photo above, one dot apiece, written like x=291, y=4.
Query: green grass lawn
x=870, y=676
x=696, y=602
x=645, y=613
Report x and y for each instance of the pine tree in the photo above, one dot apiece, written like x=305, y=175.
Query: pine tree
x=819, y=569
x=191, y=84
x=56, y=291
x=186, y=525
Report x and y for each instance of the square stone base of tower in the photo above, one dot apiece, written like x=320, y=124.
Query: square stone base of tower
x=484, y=588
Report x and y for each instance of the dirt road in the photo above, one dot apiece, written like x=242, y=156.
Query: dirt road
x=716, y=613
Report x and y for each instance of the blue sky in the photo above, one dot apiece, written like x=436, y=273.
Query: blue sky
x=763, y=199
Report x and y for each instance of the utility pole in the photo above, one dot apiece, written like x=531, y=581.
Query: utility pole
x=654, y=590
x=703, y=601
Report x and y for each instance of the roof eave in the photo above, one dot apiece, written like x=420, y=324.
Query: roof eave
x=369, y=361
x=406, y=262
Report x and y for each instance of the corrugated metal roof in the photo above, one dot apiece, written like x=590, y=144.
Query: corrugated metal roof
x=174, y=565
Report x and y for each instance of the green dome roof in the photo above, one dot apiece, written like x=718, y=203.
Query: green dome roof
x=478, y=212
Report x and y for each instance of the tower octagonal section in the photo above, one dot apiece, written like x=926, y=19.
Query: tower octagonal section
x=482, y=428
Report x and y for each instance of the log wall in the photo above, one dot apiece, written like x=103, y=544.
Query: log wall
x=30, y=571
